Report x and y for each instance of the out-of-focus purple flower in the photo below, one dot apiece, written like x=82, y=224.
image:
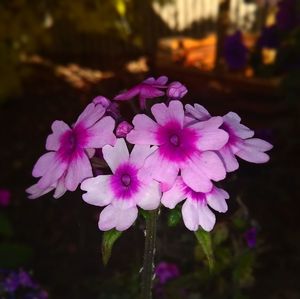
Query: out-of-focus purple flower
x=66, y=164
x=195, y=210
x=240, y=142
x=180, y=147
x=176, y=90
x=123, y=129
x=4, y=197
x=166, y=271
x=269, y=37
x=103, y=101
x=128, y=187
x=148, y=89
x=250, y=237
x=288, y=15
x=235, y=52
x=11, y=282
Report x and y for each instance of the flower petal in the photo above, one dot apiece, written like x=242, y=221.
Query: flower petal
x=101, y=133
x=116, y=155
x=125, y=218
x=216, y=199
x=194, y=178
x=228, y=158
x=35, y=191
x=190, y=215
x=211, y=165
x=139, y=154
x=79, y=169
x=173, y=196
x=149, y=198
x=207, y=218
x=129, y=94
x=144, y=131
x=161, y=170
x=53, y=140
x=164, y=114
x=108, y=218
x=198, y=112
x=60, y=189
x=90, y=115
x=98, y=190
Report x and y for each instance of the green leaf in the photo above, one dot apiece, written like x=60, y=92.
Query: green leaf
x=174, y=217
x=6, y=229
x=108, y=240
x=204, y=239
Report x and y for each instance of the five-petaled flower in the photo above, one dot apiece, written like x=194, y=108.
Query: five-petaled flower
x=67, y=163
x=188, y=148
x=129, y=186
x=240, y=142
x=195, y=210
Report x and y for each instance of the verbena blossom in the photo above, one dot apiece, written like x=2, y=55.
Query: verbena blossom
x=166, y=271
x=67, y=163
x=148, y=89
x=195, y=210
x=240, y=142
x=176, y=90
x=129, y=186
x=181, y=147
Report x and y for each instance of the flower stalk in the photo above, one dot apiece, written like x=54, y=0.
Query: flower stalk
x=149, y=251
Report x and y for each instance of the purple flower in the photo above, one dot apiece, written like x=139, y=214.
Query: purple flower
x=176, y=90
x=239, y=143
x=181, y=147
x=166, y=271
x=148, y=89
x=235, y=52
x=123, y=129
x=128, y=187
x=67, y=163
x=250, y=236
x=195, y=210
x=112, y=109
x=4, y=197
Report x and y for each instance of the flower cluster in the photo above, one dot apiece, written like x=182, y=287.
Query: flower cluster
x=176, y=154
x=19, y=284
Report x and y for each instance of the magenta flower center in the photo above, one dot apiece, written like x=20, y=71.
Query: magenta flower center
x=195, y=196
x=72, y=143
x=177, y=144
x=125, y=183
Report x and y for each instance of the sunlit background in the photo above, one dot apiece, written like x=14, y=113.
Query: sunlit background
x=233, y=55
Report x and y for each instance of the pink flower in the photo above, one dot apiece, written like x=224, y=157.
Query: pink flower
x=148, y=89
x=67, y=163
x=123, y=129
x=239, y=143
x=128, y=187
x=176, y=90
x=181, y=147
x=4, y=197
x=195, y=210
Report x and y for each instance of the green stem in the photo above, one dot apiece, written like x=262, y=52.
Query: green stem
x=150, y=238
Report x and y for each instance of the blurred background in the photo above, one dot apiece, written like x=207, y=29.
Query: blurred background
x=233, y=55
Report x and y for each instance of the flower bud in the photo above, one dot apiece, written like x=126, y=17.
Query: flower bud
x=123, y=129
x=176, y=90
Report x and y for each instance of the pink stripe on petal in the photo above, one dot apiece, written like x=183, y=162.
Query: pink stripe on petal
x=53, y=140
x=98, y=190
x=164, y=114
x=101, y=133
x=116, y=155
x=190, y=216
x=173, y=196
x=79, y=169
x=144, y=131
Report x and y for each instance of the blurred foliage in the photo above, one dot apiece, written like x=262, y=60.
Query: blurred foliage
x=50, y=25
